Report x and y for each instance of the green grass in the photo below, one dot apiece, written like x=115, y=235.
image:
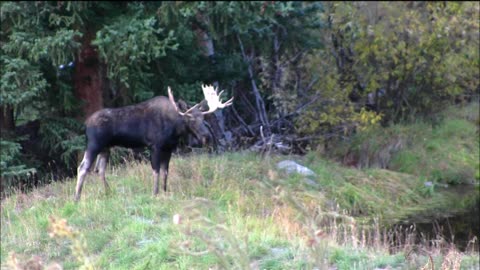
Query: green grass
x=446, y=153
x=130, y=229
x=238, y=212
x=443, y=154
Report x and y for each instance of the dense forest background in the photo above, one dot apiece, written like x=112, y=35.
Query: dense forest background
x=305, y=75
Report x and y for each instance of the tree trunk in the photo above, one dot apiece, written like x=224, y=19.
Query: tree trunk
x=206, y=43
x=88, y=77
x=88, y=80
x=7, y=120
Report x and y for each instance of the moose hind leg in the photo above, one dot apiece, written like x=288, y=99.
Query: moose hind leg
x=101, y=165
x=82, y=171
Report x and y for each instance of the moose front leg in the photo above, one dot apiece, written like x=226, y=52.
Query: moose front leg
x=155, y=182
x=164, y=161
x=155, y=161
x=160, y=161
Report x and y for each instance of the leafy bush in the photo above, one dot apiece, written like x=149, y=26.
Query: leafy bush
x=403, y=60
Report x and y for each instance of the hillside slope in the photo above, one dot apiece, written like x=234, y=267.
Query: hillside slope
x=234, y=211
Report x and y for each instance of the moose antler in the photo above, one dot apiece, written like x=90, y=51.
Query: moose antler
x=213, y=99
x=172, y=100
x=211, y=96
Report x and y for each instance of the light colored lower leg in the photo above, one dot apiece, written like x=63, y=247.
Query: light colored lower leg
x=78, y=189
x=102, y=161
x=96, y=168
x=155, y=183
x=81, y=174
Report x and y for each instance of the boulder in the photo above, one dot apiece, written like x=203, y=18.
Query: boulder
x=292, y=167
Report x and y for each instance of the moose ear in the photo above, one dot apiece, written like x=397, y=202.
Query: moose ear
x=204, y=105
x=182, y=105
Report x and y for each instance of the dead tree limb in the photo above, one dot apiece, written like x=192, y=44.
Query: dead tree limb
x=260, y=104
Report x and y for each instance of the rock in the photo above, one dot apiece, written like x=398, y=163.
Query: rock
x=431, y=184
x=428, y=184
x=279, y=252
x=177, y=219
x=143, y=220
x=292, y=167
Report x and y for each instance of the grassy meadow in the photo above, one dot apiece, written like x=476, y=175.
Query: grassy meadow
x=238, y=211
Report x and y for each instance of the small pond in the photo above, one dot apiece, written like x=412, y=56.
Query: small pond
x=461, y=228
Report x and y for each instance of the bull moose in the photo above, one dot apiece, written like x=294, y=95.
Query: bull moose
x=157, y=123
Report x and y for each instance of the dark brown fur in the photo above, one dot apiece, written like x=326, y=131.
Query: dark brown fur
x=154, y=123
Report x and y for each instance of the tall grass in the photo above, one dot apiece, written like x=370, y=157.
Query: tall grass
x=234, y=211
